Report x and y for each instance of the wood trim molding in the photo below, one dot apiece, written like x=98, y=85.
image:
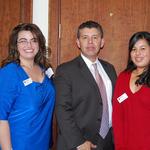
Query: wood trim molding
x=26, y=10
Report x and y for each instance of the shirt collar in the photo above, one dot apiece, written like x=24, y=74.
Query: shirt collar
x=87, y=61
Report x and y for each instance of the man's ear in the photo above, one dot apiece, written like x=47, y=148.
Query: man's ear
x=102, y=43
x=78, y=43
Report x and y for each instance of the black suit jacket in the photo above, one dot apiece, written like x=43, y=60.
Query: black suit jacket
x=78, y=103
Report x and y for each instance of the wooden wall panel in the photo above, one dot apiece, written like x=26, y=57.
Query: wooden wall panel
x=54, y=21
x=9, y=16
x=12, y=12
x=119, y=18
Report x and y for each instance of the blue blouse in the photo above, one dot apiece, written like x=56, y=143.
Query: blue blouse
x=28, y=107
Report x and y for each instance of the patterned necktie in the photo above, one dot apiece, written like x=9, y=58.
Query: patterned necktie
x=105, y=116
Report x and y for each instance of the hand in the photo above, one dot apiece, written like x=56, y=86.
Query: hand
x=87, y=145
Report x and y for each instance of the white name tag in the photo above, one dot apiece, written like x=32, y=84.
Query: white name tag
x=122, y=98
x=27, y=81
x=49, y=72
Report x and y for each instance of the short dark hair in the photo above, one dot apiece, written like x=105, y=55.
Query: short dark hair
x=90, y=24
x=144, y=78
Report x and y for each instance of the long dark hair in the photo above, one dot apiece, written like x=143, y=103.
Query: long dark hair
x=144, y=78
x=13, y=54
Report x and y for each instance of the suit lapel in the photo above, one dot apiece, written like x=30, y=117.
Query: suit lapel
x=88, y=76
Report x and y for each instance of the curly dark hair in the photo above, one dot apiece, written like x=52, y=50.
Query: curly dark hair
x=13, y=54
x=144, y=78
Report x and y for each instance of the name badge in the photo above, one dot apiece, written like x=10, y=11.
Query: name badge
x=123, y=97
x=27, y=81
x=49, y=72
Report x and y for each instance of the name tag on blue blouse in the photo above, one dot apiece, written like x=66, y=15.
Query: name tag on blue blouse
x=27, y=81
x=123, y=97
x=49, y=72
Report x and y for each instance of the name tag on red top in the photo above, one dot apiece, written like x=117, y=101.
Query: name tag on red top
x=123, y=97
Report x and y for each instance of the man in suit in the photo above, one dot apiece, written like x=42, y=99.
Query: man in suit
x=79, y=105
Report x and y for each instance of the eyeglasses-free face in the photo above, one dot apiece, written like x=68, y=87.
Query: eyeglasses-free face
x=140, y=54
x=90, y=42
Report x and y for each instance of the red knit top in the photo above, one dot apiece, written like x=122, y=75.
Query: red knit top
x=131, y=116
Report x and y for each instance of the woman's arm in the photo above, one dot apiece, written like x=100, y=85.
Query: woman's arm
x=5, y=141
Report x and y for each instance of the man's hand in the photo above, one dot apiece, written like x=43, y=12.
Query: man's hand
x=87, y=145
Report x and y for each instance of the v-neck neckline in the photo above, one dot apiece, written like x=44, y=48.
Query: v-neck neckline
x=27, y=76
x=133, y=93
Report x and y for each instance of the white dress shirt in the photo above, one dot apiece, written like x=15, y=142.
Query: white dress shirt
x=106, y=81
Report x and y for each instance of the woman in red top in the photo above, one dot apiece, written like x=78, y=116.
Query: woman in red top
x=131, y=101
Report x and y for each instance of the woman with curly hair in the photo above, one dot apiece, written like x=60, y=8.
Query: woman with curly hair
x=27, y=93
